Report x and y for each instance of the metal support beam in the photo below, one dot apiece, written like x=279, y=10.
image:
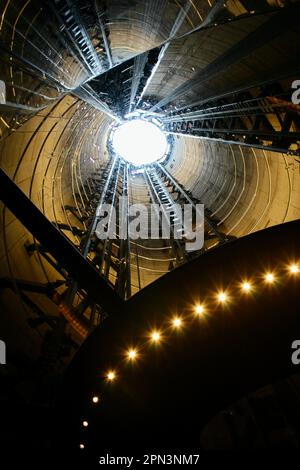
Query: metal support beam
x=105, y=40
x=70, y=228
x=69, y=17
x=29, y=286
x=160, y=195
x=138, y=69
x=209, y=222
x=128, y=256
x=31, y=248
x=95, y=220
x=256, y=117
x=176, y=26
x=123, y=282
x=275, y=26
x=58, y=245
x=107, y=245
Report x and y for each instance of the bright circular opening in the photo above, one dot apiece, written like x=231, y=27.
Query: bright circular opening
x=139, y=142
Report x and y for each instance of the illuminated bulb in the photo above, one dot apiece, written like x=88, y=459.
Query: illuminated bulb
x=199, y=309
x=81, y=446
x=177, y=322
x=222, y=297
x=132, y=354
x=95, y=399
x=269, y=277
x=155, y=336
x=294, y=268
x=111, y=375
x=246, y=286
x=85, y=424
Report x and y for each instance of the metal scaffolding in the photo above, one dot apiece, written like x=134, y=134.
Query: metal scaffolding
x=260, y=117
x=70, y=47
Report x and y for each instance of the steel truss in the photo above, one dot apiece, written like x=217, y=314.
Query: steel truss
x=167, y=192
x=261, y=117
x=72, y=23
x=67, y=260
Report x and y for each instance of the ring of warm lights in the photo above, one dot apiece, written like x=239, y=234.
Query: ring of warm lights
x=223, y=297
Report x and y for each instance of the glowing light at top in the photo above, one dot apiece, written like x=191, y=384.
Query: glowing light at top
x=139, y=142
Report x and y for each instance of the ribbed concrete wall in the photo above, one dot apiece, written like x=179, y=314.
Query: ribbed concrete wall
x=246, y=189
x=47, y=157
x=56, y=150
